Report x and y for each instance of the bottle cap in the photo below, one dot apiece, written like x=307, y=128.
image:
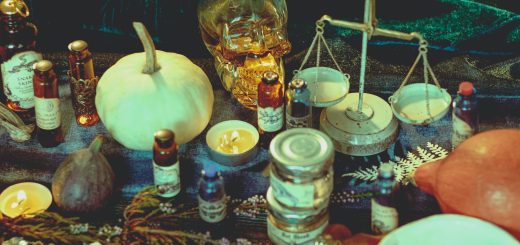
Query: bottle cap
x=386, y=170
x=42, y=66
x=269, y=77
x=466, y=88
x=210, y=171
x=78, y=46
x=297, y=84
x=11, y=7
x=164, y=138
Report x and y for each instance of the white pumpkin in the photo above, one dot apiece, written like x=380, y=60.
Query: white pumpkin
x=145, y=92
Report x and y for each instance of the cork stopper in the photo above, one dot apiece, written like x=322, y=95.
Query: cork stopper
x=269, y=77
x=164, y=138
x=78, y=46
x=297, y=84
x=42, y=66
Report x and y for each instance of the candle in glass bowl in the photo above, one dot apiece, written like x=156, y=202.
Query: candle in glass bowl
x=24, y=198
x=232, y=142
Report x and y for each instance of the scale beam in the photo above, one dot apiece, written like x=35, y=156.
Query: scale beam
x=372, y=31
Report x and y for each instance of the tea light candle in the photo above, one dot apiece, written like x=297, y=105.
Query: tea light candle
x=24, y=198
x=232, y=142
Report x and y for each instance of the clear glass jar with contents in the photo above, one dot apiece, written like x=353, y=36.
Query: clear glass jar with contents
x=301, y=168
x=285, y=226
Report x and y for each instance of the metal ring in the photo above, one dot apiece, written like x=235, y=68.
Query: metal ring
x=423, y=49
x=319, y=26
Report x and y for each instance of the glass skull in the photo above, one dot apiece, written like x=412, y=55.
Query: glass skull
x=246, y=38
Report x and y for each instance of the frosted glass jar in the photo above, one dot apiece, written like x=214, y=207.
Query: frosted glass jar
x=285, y=226
x=301, y=168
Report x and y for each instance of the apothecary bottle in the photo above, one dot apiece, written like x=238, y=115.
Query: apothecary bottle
x=298, y=108
x=166, y=166
x=465, y=114
x=83, y=83
x=47, y=104
x=18, y=54
x=270, y=107
x=212, y=195
x=385, y=217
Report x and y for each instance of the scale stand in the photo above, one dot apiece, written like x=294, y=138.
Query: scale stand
x=364, y=124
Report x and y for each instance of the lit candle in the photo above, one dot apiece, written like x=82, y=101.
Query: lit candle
x=25, y=198
x=232, y=142
x=236, y=141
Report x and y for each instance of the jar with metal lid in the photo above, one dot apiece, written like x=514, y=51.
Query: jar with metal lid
x=301, y=169
x=285, y=226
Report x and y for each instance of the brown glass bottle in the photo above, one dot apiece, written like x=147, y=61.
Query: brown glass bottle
x=83, y=83
x=166, y=167
x=17, y=56
x=270, y=107
x=47, y=105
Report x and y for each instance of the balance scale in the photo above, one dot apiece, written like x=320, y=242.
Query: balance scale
x=363, y=124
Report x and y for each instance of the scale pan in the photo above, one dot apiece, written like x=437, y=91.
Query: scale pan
x=409, y=104
x=327, y=86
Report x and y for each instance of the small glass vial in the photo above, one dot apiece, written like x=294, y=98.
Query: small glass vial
x=270, y=107
x=47, y=105
x=465, y=115
x=17, y=57
x=385, y=217
x=83, y=83
x=212, y=196
x=301, y=174
x=298, y=108
x=166, y=167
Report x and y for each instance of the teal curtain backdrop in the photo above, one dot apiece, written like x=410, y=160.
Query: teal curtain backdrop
x=488, y=28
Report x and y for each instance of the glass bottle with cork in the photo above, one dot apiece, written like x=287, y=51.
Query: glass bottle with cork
x=385, y=216
x=83, y=83
x=17, y=56
x=166, y=167
x=298, y=108
x=47, y=104
x=212, y=195
x=270, y=107
x=465, y=115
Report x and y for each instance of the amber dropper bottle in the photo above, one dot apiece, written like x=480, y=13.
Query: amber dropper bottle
x=47, y=105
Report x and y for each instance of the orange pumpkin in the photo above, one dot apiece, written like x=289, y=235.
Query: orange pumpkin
x=480, y=178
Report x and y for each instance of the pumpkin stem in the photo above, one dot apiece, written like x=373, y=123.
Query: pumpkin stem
x=425, y=176
x=95, y=146
x=151, y=65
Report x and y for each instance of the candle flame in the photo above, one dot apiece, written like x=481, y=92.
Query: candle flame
x=20, y=197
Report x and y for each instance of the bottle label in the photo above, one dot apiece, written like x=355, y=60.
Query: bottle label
x=48, y=115
x=270, y=119
x=17, y=75
x=298, y=122
x=212, y=212
x=461, y=131
x=293, y=237
x=292, y=195
x=167, y=179
x=384, y=219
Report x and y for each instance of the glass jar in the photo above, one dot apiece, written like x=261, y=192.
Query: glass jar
x=246, y=38
x=286, y=226
x=301, y=168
